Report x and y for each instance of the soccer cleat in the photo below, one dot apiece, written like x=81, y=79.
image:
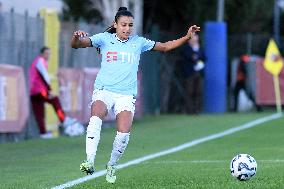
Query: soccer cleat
x=110, y=175
x=47, y=135
x=87, y=167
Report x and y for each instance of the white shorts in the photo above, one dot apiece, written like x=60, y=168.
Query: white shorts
x=118, y=102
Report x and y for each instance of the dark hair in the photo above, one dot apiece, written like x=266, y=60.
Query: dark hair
x=43, y=49
x=122, y=11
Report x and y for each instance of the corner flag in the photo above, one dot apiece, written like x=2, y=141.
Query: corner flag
x=273, y=63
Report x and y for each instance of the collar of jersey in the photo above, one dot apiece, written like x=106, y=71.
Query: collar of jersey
x=122, y=41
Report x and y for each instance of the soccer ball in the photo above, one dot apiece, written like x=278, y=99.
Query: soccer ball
x=243, y=167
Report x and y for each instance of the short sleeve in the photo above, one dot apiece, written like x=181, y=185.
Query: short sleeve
x=97, y=39
x=147, y=44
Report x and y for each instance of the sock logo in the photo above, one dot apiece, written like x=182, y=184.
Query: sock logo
x=119, y=151
x=91, y=137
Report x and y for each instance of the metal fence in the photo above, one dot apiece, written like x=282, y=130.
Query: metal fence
x=78, y=58
x=173, y=93
x=240, y=44
x=20, y=40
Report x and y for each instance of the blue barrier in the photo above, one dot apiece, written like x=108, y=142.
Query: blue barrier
x=216, y=67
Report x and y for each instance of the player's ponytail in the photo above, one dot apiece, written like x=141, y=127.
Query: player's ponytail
x=111, y=29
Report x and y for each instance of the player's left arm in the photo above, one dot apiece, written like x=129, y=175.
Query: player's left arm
x=170, y=45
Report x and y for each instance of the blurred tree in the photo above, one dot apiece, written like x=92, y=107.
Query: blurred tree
x=250, y=16
x=75, y=10
x=175, y=17
x=102, y=11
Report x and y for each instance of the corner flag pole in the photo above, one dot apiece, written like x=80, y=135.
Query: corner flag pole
x=277, y=93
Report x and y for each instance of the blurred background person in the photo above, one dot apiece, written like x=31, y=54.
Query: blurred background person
x=40, y=93
x=241, y=88
x=193, y=72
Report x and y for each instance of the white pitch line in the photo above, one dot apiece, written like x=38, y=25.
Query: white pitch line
x=173, y=150
x=210, y=161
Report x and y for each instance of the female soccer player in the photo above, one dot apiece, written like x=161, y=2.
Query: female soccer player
x=116, y=83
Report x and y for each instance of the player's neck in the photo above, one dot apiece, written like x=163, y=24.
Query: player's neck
x=120, y=39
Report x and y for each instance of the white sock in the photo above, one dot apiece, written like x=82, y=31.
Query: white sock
x=93, y=137
x=119, y=145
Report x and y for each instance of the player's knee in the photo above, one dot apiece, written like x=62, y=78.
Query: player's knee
x=99, y=109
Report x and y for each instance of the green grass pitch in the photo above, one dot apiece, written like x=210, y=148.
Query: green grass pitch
x=46, y=163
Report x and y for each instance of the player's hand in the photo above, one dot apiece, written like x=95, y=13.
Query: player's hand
x=80, y=40
x=192, y=30
x=78, y=34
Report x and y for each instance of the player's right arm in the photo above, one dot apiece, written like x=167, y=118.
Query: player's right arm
x=170, y=45
x=80, y=40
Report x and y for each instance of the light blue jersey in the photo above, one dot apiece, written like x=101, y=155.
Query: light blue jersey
x=120, y=60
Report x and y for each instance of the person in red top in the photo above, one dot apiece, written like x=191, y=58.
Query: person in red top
x=40, y=93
